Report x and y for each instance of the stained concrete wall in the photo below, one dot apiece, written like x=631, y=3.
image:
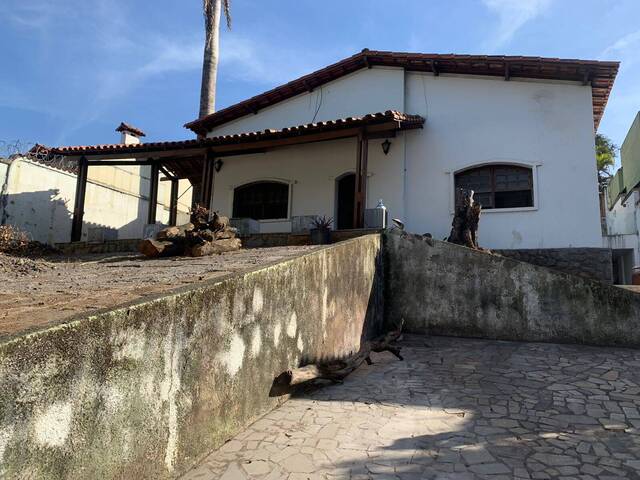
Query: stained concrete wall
x=146, y=390
x=445, y=289
x=594, y=263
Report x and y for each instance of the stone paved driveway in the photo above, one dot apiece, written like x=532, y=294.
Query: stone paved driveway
x=454, y=409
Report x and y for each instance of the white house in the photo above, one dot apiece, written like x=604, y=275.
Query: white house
x=405, y=128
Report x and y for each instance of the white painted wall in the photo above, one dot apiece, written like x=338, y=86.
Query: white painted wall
x=470, y=120
x=40, y=200
x=476, y=120
x=311, y=172
x=360, y=93
x=622, y=226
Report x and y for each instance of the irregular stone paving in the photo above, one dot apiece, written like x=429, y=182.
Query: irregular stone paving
x=454, y=409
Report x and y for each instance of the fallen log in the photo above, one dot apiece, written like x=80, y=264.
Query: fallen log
x=198, y=238
x=337, y=370
x=175, y=231
x=219, y=222
x=384, y=344
x=226, y=233
x=217, y=246
x=160, y=248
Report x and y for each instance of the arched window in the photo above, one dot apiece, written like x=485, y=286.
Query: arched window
x=498, y=186
x=261, y=201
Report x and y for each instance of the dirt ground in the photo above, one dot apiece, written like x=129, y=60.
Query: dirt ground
x=35, y=292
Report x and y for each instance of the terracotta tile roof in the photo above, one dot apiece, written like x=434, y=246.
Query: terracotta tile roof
x=403, y=121
x=125, y=127
x=600, y=75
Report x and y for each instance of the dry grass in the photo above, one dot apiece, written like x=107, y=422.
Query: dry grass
x=14, y=241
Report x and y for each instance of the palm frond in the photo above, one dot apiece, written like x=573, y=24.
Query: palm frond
x=226, y=4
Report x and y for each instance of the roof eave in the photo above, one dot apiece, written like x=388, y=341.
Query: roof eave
x=524, y=67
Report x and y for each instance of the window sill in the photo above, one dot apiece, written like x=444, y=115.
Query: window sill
x=274, y=220
x=508, y=210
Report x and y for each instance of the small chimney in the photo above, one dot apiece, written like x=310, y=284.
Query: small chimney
x=130, y=135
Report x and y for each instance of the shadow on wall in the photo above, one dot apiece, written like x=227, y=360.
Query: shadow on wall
x=43, y=214
x=342, y=327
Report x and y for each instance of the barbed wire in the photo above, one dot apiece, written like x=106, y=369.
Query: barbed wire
x=12, y=148
x=36, y=152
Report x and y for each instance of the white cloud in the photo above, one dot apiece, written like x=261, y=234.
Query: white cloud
x=259, y=61
x=167, y=55
x=624, y=101
x=626, y=48
x=513, y=14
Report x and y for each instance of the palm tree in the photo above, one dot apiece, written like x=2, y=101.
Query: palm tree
x=211, y=10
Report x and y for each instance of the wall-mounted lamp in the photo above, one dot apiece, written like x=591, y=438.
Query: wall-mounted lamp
x=386, y=145
x=218, y=165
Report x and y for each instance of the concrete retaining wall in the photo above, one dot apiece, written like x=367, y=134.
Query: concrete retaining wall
x=146, y=390
x=262, y=240
x=595, y=263
x=445, y=289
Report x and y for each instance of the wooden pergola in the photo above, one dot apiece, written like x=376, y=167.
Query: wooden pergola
x=195, y=160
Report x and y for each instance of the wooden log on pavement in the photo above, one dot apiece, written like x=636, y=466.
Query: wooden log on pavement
x=337, y=370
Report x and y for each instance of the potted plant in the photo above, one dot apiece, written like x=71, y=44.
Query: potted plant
x=321, y=230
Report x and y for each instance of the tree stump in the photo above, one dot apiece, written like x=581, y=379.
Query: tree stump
x=464, y=228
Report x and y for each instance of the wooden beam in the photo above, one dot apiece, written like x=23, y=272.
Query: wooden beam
x=585, y=77
x=434, y=68
x=122, y=163
x=507, y=72
x=374, y=136
x=361, y=181
x=250, y=146
x=173, y=202
x=153, y=194
x=208, y=170
x=81, y=192
x=166, y=173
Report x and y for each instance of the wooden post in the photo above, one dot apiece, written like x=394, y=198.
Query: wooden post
x=153, y=193
x=173, y=202
x=361, y=181
x=81, y=191
x=206, y=193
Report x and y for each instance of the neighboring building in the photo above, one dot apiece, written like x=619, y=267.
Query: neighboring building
x=518, y=130
x=37, y=195
x=622, y=212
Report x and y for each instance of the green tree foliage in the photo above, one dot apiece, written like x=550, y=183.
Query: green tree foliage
x=606, y=152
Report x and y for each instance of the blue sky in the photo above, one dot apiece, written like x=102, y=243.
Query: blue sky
x=73, y=69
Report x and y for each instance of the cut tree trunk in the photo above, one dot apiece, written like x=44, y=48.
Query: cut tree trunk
x=219, y=246
x=173, y=232
x=160, y=248
x=464, y=228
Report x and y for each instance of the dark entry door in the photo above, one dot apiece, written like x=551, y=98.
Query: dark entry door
x=346, y=187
